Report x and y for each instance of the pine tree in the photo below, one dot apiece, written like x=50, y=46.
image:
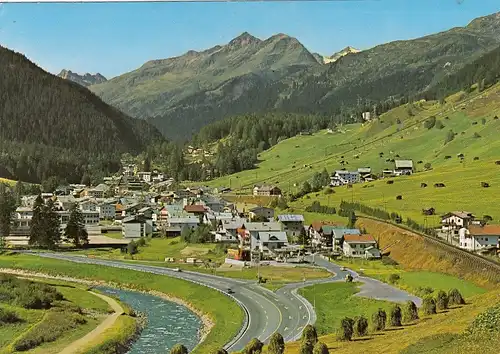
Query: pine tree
x=276, y=344
x=37, y=227
x=75, y=229
x=7, y=208
x=52, y=225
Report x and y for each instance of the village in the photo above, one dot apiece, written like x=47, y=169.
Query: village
x=139, y=204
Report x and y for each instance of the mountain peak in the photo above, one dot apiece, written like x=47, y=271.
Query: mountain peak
x=347, y=50
x=486, y=23
x=244, y=39
x=84, y=80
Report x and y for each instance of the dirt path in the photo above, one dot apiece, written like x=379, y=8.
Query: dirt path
x=80, y=344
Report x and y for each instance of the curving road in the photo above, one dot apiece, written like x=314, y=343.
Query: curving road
x=283, y=311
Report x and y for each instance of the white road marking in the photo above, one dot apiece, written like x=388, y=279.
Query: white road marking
x=300, y=307
x=289, y=317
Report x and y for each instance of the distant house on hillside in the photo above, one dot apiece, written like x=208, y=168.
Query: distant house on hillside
x=321, y=234
x=136, y=226
x=403, y=167
x=478, y=237
x=454, y=221
x=266, y=191
x=341, y=177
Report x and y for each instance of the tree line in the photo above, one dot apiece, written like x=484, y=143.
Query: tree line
x=45, y=227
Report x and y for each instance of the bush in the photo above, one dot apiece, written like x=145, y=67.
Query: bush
x=411, y=312
x=178, y=349
x=442, y=300
x=378, y=320
x=424, y=291
x=219, y=351
x=28, y=294
x=486, y=322
x=427, y=166
x=141, y=242
x=51, y=328
x=276, y=344
x=476, y=135
x=329, y=190
x=361, y=326
x=321, y=348
x=8, y=317
x=439, y=124
x=430, y=122
x=346, y=329
x=393, y=278
x=449, y=137
x=309, y=334
x=253, y=347
x=396, y=316
x=455, y=298
x=429, y=306
x=388, y=261
x=306, y=348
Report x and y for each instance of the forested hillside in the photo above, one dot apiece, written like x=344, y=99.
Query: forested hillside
x=54, y=127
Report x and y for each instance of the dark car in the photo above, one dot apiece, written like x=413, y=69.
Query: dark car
x=230, y=291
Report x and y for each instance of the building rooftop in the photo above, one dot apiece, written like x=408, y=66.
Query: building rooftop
x=486, y=230
x=276, y=236
x=460, y=214
x=403, y=163
x=291, y=218
x=195, y=208
x=359, y=238
x=262, y=226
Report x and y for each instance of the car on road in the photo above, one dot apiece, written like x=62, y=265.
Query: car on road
x=229, y=291
x=342, y=269
x=177, y=270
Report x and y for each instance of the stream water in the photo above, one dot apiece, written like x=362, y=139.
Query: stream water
x=168, y=323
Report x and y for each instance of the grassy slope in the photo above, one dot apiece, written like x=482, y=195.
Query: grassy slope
x=413, y=142
x=74, y=295
x=335, y=301
x=226, y=314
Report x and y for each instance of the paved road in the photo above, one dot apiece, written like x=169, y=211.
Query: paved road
x=267, y=312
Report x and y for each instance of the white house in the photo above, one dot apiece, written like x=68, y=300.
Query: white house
x=454, y=221
x=145, y=176
x=225, y=237
x=264, y=212
x=268, y=241
x=477, y=237
x=136, y=226
x=188, y=221
x=87, y=205
x=90, y=218
x=360, y=246
x=342, y=177
x=23, y=216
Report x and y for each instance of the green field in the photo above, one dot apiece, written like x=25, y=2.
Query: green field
x=412, y=281
x=48, y=330
x=335, y=301
x=226, y=314
x=295, y=160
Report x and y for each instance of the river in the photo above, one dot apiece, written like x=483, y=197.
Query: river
x=168, y=323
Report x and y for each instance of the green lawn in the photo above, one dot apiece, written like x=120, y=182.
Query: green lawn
x=335, y=301
x=413, y=280
x=113, y=234
x=9, y=332
x=226, y=314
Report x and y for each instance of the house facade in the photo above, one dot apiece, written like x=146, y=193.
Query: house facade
x=477, y=237
x=454, y=221
x=266, y=191
x=266, y=242
x=341, y=178
x=403, y=167
x=107, y=211
x=356, y=246
x=292, y=224
x=264, y=212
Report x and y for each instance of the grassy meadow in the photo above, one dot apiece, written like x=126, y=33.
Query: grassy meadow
x=471, y=116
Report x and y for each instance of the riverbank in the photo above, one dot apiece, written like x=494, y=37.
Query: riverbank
x=206, y=320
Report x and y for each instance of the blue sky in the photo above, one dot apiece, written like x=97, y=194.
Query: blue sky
x=113, y=38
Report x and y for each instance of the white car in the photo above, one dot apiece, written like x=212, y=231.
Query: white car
x=342, y=269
